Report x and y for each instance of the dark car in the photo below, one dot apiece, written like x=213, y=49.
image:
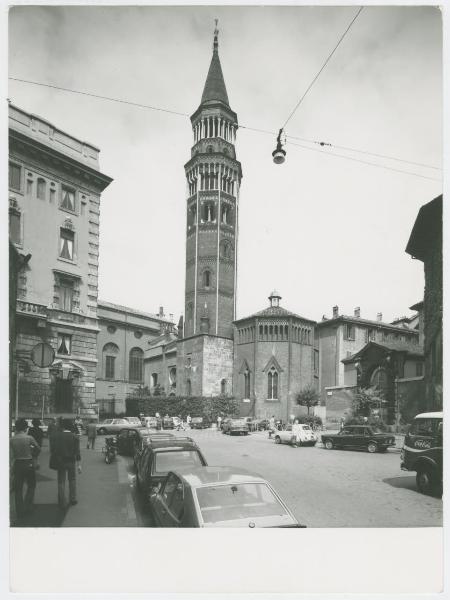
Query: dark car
x=218, y=497
x=359, y=436
x=422, y=452
x=162, y=455
x=131, y=441
x=200, y=423
x=263, y=424
x=235, y=426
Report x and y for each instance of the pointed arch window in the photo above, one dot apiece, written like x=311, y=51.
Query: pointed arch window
x=208, y=212
x=272, y=384
x=247, y=385
x=136, y=364
x=188, y=388
x=223, y=387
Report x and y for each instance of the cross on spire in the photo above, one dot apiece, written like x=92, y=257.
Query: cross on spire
x=216, y=36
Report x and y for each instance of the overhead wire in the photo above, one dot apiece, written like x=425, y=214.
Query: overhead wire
x=323, y=66
x=178, y=113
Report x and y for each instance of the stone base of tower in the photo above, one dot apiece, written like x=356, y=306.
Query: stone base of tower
x=204, y=366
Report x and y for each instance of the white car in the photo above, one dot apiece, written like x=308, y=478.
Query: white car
x=300, y=434
x=113, y=426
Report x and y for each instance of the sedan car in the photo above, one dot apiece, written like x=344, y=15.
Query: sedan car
x=359, y=436
x=235, y=426
x=112, y=426
x=218, y=497
x=300, y=434
x=199, y=423
x=168, y=423
x=159, y=456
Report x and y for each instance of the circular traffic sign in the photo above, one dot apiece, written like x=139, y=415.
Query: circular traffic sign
x=42, y=355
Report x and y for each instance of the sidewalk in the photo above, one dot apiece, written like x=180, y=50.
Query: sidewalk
x=103, y=494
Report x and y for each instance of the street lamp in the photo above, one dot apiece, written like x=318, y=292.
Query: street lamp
x=279, y=154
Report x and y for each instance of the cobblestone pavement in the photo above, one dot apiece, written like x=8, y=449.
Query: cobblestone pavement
x=324, y=488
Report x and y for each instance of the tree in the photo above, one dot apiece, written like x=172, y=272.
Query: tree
x=308, y=397
x=368, y=399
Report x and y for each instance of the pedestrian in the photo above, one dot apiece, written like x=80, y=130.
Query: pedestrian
x=23, y=448
x=219, y=422
x=365, y=419
x=180, y=424
x=271, y=425
x=66, y=460
x=51, y=427
x=188, y=421
x=295, y=434
x=78, y=425
x=36, y=432
x=342, y=423
x=91, y=434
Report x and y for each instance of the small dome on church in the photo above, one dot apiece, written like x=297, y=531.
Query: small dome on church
x=274, y=294
x=274, y=298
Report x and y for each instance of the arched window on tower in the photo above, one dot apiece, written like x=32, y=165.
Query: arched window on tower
x=136, y=364
x=206, y=278
x=223, y=387
x=272, y=384
x=208, y=215
x=225, y=249
x=188, y=388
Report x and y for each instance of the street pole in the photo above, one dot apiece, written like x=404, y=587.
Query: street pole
x=17, y=392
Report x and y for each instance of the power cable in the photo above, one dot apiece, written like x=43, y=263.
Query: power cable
x=55, y=87
x=128, y=102
x=365, y=162
x=323, y=66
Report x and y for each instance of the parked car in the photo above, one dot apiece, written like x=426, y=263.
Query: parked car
x=235, y=426
x=218, y=497
x=252, y=423
x=112, y=426
x=135, y=421
x=168, y=423
x=306, y=436
x=145, y=440
x=200, y=423
x=422, y=452
x=359, y=436
x=152, y=422
x=263, y=424
x=128, y=440
x=159, y=456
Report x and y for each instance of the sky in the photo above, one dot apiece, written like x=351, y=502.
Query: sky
x=321, y=229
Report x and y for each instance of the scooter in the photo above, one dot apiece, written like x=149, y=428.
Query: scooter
x=110, y=450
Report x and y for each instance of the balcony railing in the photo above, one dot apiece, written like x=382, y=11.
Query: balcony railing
x=32, y=309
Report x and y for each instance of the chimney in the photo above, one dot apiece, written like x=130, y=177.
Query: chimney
x=379, y=316
x=357, y=312
x=161, y=312
x=335, y=312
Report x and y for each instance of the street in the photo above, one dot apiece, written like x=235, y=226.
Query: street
x=324, y=488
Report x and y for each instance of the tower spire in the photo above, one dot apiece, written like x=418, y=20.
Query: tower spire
x=215, y=89
x=216, y=37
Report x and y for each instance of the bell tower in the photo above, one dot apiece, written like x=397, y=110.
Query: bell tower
x=213, y=178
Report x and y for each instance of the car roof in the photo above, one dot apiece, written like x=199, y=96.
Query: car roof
x=430, y=415
x=206, y=476
x=172, y=443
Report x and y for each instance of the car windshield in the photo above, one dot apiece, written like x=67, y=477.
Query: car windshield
x=425, y=426
x=239, y=501
x=168, y=461
x=106, y=421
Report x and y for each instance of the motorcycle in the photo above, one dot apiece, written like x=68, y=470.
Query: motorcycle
x=110, y=450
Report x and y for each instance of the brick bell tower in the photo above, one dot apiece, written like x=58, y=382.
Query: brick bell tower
x=213, y=178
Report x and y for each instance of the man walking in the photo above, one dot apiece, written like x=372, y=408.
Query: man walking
x=271, y=425
x=23, y=449
x=91, y=434
x=66, y=460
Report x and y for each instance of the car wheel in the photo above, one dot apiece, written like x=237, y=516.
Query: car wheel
x=102, y=431
x=426, y=481
x=372, y=447
x=277, y=439
x=329, y=445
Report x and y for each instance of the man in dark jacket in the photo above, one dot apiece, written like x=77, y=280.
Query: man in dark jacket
x=23, y=448
x=65, y=458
